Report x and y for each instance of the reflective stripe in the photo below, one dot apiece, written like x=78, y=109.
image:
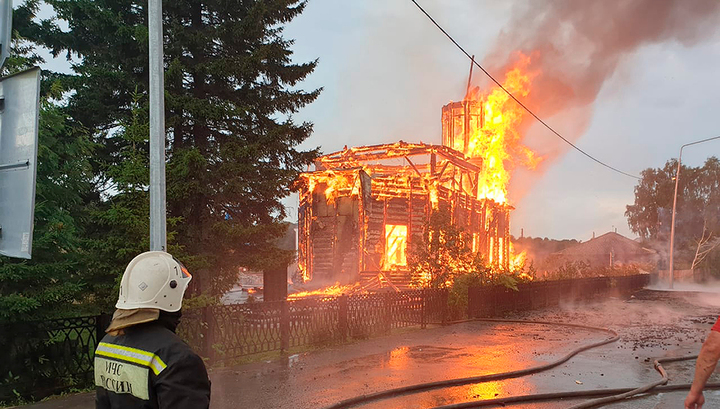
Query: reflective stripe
x=157, y=364
x=134, y=355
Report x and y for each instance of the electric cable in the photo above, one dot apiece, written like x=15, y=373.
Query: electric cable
x=510, y=94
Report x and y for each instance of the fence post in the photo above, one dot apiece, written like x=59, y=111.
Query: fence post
x=208, y=326
x=343, y=316
x=284, y=326
x=497, y=299
x=387, y=309
x=423, y=320
x=471, y=302
x=444, y=307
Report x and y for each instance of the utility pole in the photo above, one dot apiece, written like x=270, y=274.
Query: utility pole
x=158, y=227
x=672, y=223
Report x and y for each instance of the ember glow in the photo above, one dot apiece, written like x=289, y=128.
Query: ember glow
x=517, y=261
x=331, y=291
x=334, y=183
x=395, y=246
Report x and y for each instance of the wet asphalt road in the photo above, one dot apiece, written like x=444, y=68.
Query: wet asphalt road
x=652, y=324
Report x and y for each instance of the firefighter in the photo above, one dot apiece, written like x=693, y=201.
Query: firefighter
x=141, y=363
x=704, y=366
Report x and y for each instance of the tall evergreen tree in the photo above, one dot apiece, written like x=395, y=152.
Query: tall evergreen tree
x=231, y=91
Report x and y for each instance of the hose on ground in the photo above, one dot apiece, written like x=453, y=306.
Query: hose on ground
x=538, y=397
x=367, y=398
x=609, y=395
x=615, y=398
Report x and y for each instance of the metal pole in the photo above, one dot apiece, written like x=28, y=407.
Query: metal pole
x=158, y=233
x=672, y=223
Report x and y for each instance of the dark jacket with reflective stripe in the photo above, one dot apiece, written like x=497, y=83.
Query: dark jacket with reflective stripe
x=149, y=367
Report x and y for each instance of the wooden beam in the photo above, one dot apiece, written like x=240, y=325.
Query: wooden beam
x=413, y=166
x=390, y=151
x=443, y=169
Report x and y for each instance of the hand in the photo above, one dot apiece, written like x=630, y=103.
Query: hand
x=694, y=400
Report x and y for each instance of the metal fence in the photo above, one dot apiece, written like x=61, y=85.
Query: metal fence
x=42, y=358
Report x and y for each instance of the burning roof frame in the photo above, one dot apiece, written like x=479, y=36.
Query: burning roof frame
x=445, y=175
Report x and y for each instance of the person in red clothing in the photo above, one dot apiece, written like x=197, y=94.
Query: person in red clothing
x=706, y=362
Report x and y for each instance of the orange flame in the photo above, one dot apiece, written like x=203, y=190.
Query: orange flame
x=395, y=246
x=497, y=142
x=336, y=183
x=304, y=273
x=517, y=261
x=331, y=291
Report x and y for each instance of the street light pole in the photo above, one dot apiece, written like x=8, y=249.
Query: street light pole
x=672, y=223
x=158, y=228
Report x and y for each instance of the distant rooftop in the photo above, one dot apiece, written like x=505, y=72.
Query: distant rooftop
x=605, y=244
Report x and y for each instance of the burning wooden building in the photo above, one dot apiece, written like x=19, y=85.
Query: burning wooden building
x=362, y=208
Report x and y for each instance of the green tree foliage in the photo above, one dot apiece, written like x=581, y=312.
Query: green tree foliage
x=231, y=92
x=120, y=223
x=698, y=205
x=52, y=283
x=442, y=257
x=441, y=253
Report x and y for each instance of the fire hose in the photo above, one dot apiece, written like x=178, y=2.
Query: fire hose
x=606, y=395
x=609, y=395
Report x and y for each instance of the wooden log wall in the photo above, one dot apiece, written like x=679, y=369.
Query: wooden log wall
x=333, y=238
x=304, y=246
x=341, y=238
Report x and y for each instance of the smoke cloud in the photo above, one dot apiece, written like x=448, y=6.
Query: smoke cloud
x=576, y=46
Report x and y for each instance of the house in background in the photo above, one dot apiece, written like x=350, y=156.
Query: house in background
x=608, y=250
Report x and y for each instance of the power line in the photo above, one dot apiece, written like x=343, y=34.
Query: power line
x=517, y=100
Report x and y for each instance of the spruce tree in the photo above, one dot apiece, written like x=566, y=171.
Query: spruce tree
x=231, y=92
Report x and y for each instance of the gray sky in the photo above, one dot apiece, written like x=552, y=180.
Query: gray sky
x=387, y=72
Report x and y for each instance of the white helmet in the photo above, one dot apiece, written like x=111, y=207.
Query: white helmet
x=153, y=279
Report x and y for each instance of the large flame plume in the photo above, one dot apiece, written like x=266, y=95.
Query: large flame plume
x=497, y=142
x=576, y=47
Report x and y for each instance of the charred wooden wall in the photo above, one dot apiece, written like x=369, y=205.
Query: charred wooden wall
x=330, y=237
x=342, y=237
